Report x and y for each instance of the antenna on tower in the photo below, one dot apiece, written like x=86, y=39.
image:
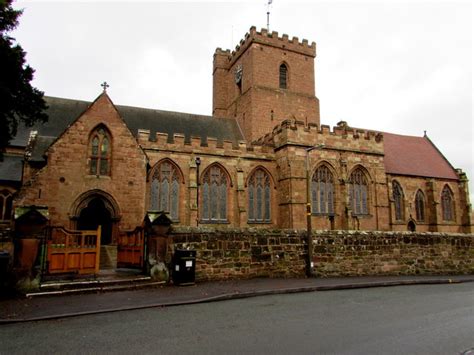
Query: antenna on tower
x=268, y=14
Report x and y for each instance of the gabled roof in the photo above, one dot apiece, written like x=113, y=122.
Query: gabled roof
x=415, y=156
x=62, y=112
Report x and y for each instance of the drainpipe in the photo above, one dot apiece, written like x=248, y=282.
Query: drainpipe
x=198, y=163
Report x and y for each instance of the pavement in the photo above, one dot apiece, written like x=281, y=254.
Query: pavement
x=56, y=307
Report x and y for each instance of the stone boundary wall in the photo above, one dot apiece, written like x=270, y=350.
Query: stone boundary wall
x=235, y=253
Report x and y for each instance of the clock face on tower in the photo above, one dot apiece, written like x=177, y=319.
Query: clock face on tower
x=238, y=74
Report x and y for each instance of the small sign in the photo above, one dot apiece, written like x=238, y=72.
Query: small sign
x=189, y=263
x=176, y=268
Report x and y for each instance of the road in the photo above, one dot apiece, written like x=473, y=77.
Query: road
x=429, y=319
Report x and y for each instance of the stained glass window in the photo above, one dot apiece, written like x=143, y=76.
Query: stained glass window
x=420, y=206
x=447, y=204
x=358, y=192
x=322, y=191
x=100, y=152
x=164, y=189
x=214, y=195
x=259, y=197
x=398, y=200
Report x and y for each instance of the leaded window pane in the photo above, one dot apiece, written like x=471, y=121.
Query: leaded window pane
x=95, y=146
x=259, y=197
x=104, y=147
x=283, y=76
x=314, y=197
x=174, y=199
x=330, y=199
x=104, y=167
x=205, y=201
x=93, y=169
x=164, y=196
x=321, y=190
x=358, y=193
x=154, y=195
x=447, y=204
x=267, y=203
x=223, y=202
x=251, y=203
x=398, y=200
x=420, y=206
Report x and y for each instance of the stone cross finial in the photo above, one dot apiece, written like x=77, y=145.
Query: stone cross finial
x=104, y=86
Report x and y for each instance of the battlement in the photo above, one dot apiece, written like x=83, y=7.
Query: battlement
x=339, y=137
x=269, y=39
x=209, y=145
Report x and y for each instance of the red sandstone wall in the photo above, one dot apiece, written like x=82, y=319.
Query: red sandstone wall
x=66, y=177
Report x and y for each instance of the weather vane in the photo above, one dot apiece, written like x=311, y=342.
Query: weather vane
x=268, y=14
x=104, y=86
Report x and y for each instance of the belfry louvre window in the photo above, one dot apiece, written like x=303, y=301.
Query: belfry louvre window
x=259, y=197
x=164, y=191
x=447, y=204
x=214, y=195
x=420, y=206
x=283, y=76
x=6, y=200
x=398, y=200
x=358, y=192
x=100, y=152
x=322, y=191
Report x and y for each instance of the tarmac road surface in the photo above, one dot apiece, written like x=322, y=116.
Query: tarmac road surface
x=426, y=319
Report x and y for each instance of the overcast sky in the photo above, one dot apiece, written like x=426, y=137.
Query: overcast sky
x=402, y=67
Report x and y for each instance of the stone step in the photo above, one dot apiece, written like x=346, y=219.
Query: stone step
x=95, y=289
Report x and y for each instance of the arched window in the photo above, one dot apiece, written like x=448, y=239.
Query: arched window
x=259, y=197
x=283, y=76
x=164, y=191
x=214, y=195
x=100, y=152
x=358, y=192
x=398, y=200
x=420, y=206
x=447, y=204
x=322, y=191
x=6, y=201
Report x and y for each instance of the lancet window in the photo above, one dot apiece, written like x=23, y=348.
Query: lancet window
x=214, y=195
x=283, y=76
x=420, y=206
x=398, y=200
x=164, y=191
x=100, y=152
x=322, y=191
x=447, y=204
x=259, y=197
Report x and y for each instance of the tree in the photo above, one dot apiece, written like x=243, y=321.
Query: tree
x=19, y=101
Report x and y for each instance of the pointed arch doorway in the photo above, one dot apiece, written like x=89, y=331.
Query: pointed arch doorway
x=97, y=208
x=94, y=215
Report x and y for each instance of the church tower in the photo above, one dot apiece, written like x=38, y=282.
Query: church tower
x=266, y=80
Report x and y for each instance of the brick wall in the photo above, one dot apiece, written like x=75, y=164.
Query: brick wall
x=249, y=253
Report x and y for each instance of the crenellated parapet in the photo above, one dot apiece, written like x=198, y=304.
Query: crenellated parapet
x=226, y=58
x=202, y=145
x=340, y=137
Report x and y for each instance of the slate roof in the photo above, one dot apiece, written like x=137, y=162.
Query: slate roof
x=415, y=156
x=11, y=168
x=62, y=112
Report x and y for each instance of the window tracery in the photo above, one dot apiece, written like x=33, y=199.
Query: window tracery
x=322, y=191
x=164, y=189
x=214, y=195
x=100, y=152
x=358, y=192
x=259, y=197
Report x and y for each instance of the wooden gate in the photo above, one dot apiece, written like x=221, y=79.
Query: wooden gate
x=73, y=251
x=131, y=248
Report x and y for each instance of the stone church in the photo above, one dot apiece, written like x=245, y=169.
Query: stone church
x=262, y=160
